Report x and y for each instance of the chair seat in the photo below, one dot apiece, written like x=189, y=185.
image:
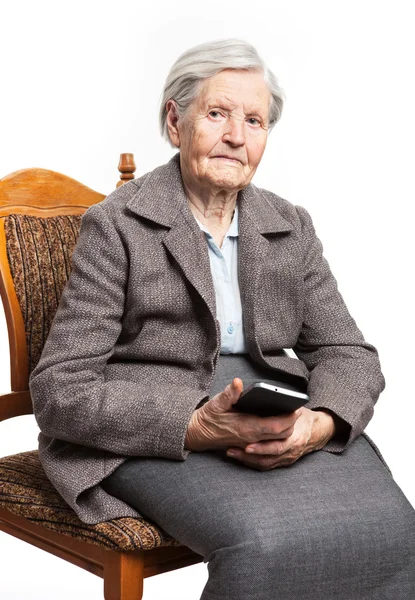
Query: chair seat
x=26, y=491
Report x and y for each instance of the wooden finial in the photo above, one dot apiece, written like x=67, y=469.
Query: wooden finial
x=126, y=167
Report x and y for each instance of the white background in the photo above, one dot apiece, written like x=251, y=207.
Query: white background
x=80, y=82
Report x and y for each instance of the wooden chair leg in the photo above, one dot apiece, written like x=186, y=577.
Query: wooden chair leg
x=123, y=576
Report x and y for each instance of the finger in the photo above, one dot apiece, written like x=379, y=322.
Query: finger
x=279, y=427
x=296, y=442
x=232, y=391
x=260, y=462
x=263, y=462
x=274, y=447
x=237, y=386
x=224, y=400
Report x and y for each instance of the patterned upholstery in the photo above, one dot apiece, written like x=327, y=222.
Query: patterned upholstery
x=39, y=251
x=26, y=491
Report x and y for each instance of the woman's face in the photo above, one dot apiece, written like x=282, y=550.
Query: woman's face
x=223, y=135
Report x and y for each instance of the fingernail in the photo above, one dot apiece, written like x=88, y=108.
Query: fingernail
x=230, y=453
x=250, y=450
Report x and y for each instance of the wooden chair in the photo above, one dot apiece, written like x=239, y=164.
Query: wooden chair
x=40, y=213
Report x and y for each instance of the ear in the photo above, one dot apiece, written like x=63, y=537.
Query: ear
x=172, y=122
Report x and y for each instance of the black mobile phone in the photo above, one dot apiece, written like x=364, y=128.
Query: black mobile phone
x=267, y=400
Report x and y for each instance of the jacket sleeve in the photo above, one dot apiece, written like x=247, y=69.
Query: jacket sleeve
x=72, y=401
x=345, y=373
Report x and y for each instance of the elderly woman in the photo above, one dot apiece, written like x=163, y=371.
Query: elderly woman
x=188, y=284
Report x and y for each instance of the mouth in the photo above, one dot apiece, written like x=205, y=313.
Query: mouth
x=224, y=157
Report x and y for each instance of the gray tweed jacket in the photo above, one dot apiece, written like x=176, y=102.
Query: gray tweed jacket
x=133, y=347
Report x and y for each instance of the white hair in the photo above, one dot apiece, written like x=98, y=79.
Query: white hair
x=206, y=60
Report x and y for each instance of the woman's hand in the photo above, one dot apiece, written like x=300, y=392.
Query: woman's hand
x=216, y=426
x=312, y=431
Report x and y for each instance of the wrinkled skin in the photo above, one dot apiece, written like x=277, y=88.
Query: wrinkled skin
x=276, y=441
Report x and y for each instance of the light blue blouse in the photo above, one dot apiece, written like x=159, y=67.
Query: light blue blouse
x=224, y=268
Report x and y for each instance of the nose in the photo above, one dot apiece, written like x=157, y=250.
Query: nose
x=235, y=132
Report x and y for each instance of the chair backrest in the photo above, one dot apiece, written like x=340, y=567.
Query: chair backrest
x=40, y=217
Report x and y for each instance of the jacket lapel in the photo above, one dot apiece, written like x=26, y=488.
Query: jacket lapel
x=188, y=247
x=257, y=217
x=161, y=199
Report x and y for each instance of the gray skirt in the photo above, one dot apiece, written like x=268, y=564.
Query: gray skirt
x=329, y=527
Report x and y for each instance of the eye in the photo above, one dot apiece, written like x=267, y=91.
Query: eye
x=215, y=114
x=253, y=121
